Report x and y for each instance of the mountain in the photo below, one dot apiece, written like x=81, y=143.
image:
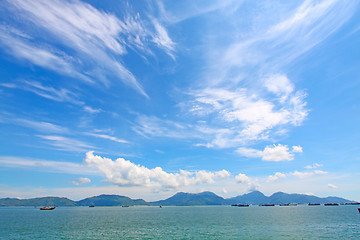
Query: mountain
x=179, y=199
x=254, y=197
x=43, y=201
x=189, y=199
x=110, y=200
x=258, y=198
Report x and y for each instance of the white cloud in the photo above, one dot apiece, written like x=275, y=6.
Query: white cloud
x=332, y=186
x=275, y=177
x=41, y=126
x=125, y=173
x=274, y=153
x=66, y=144
x=96, y=39
x=248, y=116
x=59, y=95
x=308, y=174
x=80, y=181
x=104, y=136
x=315, y=165
x=279, y=85
x=249, y=152
x=91, y=110
x=252, y=184
x=162, y=39
x=45, y=165
x=43, y=57
x=151, y=126
x=297, y=149
x=277, y=153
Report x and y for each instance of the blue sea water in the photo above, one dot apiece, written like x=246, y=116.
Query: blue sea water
x=195, y=222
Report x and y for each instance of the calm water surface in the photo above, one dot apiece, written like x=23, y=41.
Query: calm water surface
x=201, y=222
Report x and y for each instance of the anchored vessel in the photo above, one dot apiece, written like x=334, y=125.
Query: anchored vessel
x=47, y=208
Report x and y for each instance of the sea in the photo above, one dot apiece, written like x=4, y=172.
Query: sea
x=182, y=222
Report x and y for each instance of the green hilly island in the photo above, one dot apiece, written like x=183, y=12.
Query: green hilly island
x=179, y=199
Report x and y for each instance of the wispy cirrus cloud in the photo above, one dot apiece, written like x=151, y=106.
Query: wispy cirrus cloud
x=250, y=116
x=41, y=126
x=45, y=165
x=66, y=144
x=105, y=136
x=315, y=165
x=152, y=126
x=95, y=40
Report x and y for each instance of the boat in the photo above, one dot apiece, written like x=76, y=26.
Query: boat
x=91, y=206
x=331, y=204
x=353, y=203
x=267, y=205
x=47, y=208
x=286, y=204
x=125, y=205
x=240, y=205
x=293, y=204
x=160, y=206
x=314, y=204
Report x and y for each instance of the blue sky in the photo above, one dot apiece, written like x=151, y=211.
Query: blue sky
x=149, y=98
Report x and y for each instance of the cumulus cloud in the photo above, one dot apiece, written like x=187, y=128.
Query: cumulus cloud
x=297, y=149
x=125, y=173
x=251, y=183
x=80, y=181
x=274, y=153
x=275, y=177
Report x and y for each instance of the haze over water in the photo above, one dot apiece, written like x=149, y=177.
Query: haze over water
x=196, y=222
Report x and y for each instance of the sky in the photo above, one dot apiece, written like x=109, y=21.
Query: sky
x=149, y=98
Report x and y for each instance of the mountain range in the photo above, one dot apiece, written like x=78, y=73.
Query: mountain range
x=179, y=199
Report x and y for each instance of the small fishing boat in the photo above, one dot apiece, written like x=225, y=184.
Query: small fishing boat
x=47, y=208
x=240, y=205
x=331, y=204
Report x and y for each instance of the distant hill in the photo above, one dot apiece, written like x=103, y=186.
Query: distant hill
x=179, y=199
x=188, y=199
x=43, y=201
x=254, y=197
x=110, y=200
x=282, y=198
